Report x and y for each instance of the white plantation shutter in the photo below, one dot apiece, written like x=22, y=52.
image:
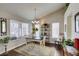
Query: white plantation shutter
x=25, y=29
x=18, y=29
x=55, y=30
x=14, y=28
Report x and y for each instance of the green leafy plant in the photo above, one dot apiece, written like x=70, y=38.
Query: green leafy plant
x=63, y=42
x=6, y=39
x=69, y=42
x=1, y=41
x=34, y=30
x=66, y=6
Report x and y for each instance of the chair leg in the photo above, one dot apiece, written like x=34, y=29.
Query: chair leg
x=44, y=42
x=41, y=43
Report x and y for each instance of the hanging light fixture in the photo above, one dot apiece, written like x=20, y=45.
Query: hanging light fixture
x=35, y=21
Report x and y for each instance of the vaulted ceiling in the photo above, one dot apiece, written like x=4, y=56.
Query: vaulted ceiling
x=26, y=10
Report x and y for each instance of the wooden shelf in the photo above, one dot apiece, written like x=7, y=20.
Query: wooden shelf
x=45, y=30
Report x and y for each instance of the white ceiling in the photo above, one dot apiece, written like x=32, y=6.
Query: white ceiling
x=26, y=10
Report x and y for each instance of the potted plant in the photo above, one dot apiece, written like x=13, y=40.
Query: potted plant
x=63, y=42
x=5, y=41
x=69, y=42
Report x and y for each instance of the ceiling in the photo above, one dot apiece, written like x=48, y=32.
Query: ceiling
x=26, y=10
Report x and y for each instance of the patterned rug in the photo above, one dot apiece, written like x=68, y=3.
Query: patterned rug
x=32, y=49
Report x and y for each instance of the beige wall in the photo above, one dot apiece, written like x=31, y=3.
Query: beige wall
x=69, y=27
x=57, y=16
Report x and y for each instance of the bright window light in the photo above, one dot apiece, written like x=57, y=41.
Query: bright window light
x=55, y=30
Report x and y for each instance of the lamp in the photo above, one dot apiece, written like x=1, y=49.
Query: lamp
x=35, y=21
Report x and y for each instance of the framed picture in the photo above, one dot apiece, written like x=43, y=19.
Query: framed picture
x=77, y=23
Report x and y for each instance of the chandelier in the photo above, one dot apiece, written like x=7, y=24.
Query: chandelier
x=35, y=21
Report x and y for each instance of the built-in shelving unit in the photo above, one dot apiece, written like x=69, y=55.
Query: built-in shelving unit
x=45, y=31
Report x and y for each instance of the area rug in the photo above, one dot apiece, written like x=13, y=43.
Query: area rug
x=33, y=49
